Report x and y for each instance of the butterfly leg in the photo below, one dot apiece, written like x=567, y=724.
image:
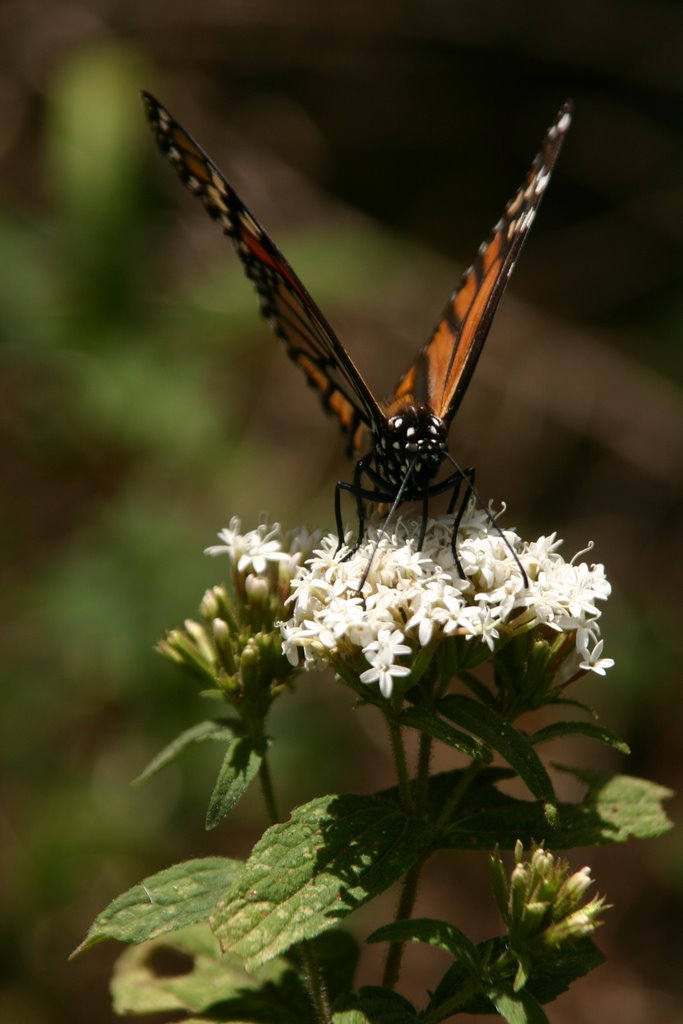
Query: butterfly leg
x=359, y=493
x=342, y=485
x=468, y=476
x=455, y=493
x=360, y=507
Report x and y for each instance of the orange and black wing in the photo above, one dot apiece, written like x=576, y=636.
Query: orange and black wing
x=439, y=376
x=286, y=305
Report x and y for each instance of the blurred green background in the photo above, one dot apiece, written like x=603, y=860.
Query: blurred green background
x=144, y=403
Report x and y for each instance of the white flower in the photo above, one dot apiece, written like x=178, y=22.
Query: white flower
x=381, y=653
x=252, y=550
x=255, y=550
x=409, y=598
x=592, y=662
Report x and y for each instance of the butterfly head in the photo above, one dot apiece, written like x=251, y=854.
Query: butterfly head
x=413, y=440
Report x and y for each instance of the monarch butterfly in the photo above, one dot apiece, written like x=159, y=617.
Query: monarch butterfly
x=399, y=444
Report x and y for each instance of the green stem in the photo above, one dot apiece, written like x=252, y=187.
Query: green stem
x=468, y=777
x=266, y=781
x=392, y=967
x=401, y=765
x=422, y=779
x=315, y=985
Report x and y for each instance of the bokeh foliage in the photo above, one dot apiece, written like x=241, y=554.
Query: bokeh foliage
x=144, y=403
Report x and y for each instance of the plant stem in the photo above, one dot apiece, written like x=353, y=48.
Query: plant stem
x=401, y=765
x=457, y=794
x=315, y=986
x=266, y=781
x=422, y=778
x=392, y=967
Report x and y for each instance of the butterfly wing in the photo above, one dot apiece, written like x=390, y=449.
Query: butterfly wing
x=441, y=373
x=286, y=305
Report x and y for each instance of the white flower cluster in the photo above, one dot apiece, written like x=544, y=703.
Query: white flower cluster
x=253, y=552
x=389, y=602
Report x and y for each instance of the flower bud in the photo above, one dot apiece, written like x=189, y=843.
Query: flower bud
x=223, y=641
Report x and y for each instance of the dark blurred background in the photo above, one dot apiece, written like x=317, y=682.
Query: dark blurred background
x=144, y=403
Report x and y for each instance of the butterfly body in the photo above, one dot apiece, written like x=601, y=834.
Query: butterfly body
x=412, y=440
x=399, y=445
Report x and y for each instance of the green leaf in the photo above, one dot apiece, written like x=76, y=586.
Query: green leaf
x=551, y=972
x=622, y=806
x=186, y=972
x=332, y=856
x=581, y=728
x=431, y=724
x=183, y=894
x=512, y=744
x=240, y=765
x=518, y=1008
x=373, y=1004
x=440, y=934
x=459, y=991
x=571, y=703
x=213, y=729
x=615, y=808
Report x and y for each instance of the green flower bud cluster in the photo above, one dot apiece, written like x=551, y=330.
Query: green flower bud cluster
x=236, y=648
x=542, y=905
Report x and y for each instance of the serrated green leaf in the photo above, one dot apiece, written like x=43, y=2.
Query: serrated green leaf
x=213, y=729
x=628, y=806
x=440, y=934
x=551, y=972
x=240, y=765
x=615, y=808
x=373, y=1004
x=186, y=971
x=181, y=895
x=581, y=728
x=333, y=855
x=518, y=1008
x=431, y=724
x=552, y=975
x=512, y=744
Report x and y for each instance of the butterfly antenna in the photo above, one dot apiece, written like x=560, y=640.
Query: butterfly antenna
x=471, y=489
x=382, y=533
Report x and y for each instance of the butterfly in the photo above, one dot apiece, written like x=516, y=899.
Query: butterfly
x=399, y=444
